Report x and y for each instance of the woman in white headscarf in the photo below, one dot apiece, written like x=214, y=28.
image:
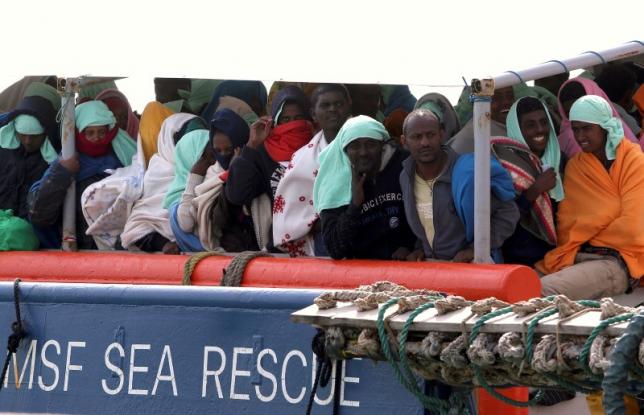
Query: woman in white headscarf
x=148, y=227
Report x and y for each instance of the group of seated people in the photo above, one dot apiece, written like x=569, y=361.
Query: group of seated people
x=346, y=171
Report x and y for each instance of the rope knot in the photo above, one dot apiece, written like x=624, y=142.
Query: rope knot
x=18, y=333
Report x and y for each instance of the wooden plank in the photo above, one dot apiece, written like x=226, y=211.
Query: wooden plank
x=347, y=315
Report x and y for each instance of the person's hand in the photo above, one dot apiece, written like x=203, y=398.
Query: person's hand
x=236, y=153
x=466, y=255
x=544, y=182
x=259, y=131
x=357, y=187
x=171, y=248
x=206, y=160
x=400, y=254
x=71, y=164
x=416, y=256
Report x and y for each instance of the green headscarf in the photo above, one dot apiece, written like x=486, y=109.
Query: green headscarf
x=176, y=106
x=332, y=186
x=96, y=113
x=433, y=107
x=41, y=89
x=186, y=154
x=596, y=110
x=26, y=124
x=201, y=91
x=551, y=155
x=93, y=114
x=465, y=109
x=90, y=91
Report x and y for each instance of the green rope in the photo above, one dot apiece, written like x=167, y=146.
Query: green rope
x=479, y=323
x=572, y=386
x=191, y=263
x=477, y=370
x=585, y=351
x=402, y=344
x=480, y=379
x=435, y=404
x=530, y=332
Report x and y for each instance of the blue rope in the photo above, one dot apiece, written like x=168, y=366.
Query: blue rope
x=563, y=65
x=637, y=41
x=475, y=98
x=598, y=55
x=517, y=75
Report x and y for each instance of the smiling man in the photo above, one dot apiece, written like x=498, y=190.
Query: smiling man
x=463, y=141
x=531, y=154
x=600, y=227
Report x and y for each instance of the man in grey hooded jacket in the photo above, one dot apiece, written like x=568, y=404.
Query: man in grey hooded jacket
x=426, y=183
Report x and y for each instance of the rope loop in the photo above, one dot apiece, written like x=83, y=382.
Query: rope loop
x=234, y=273
x=601, y=58
x=17, y=332
x=563, y=65
x=517, y=75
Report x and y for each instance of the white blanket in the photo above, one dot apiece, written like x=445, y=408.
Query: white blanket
x=293, y=212
x=148, y=214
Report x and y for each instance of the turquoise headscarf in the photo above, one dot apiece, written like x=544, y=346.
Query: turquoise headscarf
x=596, y=110
x=332, y=186
x=552, y=154
x=26, y=124
x=96, y=113
x=186, y=153
x=434, y=108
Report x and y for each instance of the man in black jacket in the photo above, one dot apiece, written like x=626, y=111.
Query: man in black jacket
x=358, y=194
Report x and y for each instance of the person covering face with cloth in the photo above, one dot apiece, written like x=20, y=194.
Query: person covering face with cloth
x=600, y=227
x=262, y=162
x=101, y=146
x=358, y=194
x=296, y=228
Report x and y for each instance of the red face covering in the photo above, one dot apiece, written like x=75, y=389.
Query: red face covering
x=95, y=148
x=287, y=138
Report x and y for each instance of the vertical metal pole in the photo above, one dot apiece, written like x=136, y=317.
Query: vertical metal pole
x=482, y=95
x=68, y=126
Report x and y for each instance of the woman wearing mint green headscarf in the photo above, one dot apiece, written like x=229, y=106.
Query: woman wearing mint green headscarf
x=532, y=156
x=101, y=147
x=600, y=226
x=25, y=154
x=357, y=194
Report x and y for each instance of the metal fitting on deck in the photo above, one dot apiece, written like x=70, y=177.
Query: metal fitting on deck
x=482, y=87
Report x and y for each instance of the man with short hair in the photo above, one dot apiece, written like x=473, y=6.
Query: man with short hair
x=432, y=212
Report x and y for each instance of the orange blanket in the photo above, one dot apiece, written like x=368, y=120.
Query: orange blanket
x=603, y=208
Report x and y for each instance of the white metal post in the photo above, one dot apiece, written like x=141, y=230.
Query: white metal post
x=68, y=126
x=482, y=91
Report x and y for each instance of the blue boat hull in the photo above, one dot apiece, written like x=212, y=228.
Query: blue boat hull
x=106, y=349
